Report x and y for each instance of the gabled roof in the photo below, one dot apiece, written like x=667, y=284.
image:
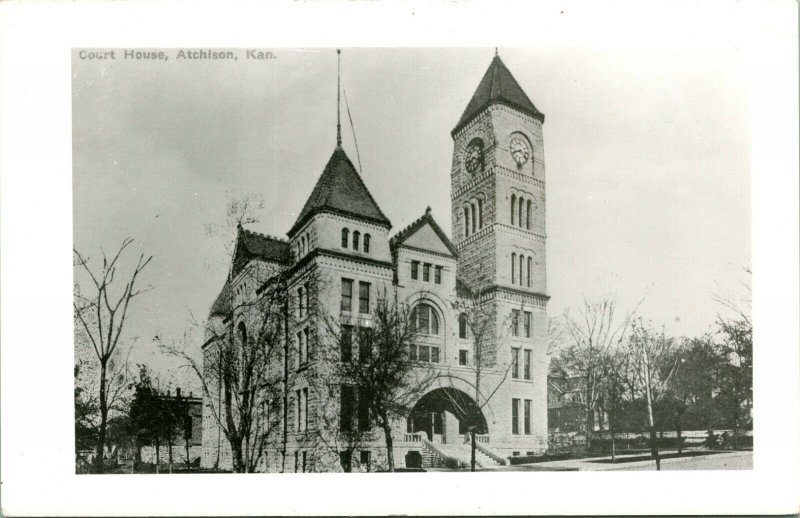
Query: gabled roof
x=426, y=219
x=341, y=190
x=252, y=245
x=222, y=305
x=498, y=86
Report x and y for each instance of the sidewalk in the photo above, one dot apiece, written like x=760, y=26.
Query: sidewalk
x=735, y=460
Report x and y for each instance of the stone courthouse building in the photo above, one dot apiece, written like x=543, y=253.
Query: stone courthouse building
x=494, y=256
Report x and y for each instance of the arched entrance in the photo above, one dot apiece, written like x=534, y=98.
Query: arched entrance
x=445, y=415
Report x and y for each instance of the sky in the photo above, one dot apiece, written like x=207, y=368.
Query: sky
x=647, y=157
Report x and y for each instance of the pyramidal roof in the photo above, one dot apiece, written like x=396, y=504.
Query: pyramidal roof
x=498, y=86
x=341, y=190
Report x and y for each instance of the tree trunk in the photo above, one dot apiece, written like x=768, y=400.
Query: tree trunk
x=169, y=453
x=158, y=454
x=680, y=439
x=188, y=462
x=472, y=458
x=101, y=436
x=387, y=432
x=654, y=448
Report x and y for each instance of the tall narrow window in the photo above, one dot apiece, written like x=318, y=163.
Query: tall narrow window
x=345, y=237
x=527, y=417
x=526, y=372
x=474, y=218
x=426, y=272
x=242, y=333
x=527, y=324
x=301, y=302
x=437, y=275
x=366, y=243
x=346, y=406
x=364, y=344
x=513, y=207
x=426, y=319
x=480, y=213
x=530, y=261
x=301, y=355
x=515, y=416
x=521, y=263
x=514, y=322
x=515, y=362
x=298, y=395
x=363, y=410
x=363, y=297
x=307, y=344
x=346, y=343
x=347, y=295
x=462, y=325
x=463, y=357
x=305, y=414
x=521, y=210
x=435, y=354
x=513, y=267
x=414, y=270
x=528, y=215
x=466, y=221
x=356, y=236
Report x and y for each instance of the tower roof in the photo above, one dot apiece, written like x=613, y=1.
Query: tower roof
x=498, y=86
x=341, y=190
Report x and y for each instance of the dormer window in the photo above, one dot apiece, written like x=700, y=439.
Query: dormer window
x=345, y=237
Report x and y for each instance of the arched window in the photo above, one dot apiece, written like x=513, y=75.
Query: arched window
x=513, y=207
x=474, y=219
x=356, y=235
x=300, y=301
x=513, y=267
x=528, y=218
x=521, y=210
x=529, y=271
x=462, y=325
x=521, y=263
x=366, y=243
x=426, y=319
x=466, y=221
x=345, y=237
x=480, y=213
x=242, y=333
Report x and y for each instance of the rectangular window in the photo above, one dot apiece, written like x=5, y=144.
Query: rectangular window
x=462, y=357
x=296, y=461
x=300, y=356
x=346, y=405
x=307, y=307
x=347, y=295
x=364, y=343
x=527, y=365
x=415, y=270
x=366, y=460
x=514, y=322
x=412, y=353
x=300, y=302
x=304, y=462
x=528, y=324
x=363, y=410
x=437, y=275
x=515, y=362
x=527, y=417
x=515, y=416
x=305, y=409
x=307, y=346
x=347, y=343
x=462, y=325
x=363, y=297
x=297, y=408
x=424, y=353
x=435, y=354
x=426, y=272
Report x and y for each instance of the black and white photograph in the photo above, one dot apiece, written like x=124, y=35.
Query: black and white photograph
x=338, y=260
x=285, y=265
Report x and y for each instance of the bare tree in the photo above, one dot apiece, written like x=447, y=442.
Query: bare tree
x=477, y=318
x=384, y=373
x=102, y=319
x=591, y=335
x=648, y=350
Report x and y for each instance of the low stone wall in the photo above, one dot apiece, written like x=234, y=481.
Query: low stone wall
x=178, y=454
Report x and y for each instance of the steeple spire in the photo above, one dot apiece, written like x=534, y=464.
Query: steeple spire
x=338, y=98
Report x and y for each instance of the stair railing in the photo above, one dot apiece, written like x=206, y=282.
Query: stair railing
x=447, y=459
x=492, y=455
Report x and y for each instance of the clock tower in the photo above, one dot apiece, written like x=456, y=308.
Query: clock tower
x=498, y=214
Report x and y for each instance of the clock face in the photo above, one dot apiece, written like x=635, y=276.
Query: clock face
x=520, y=150
x=473, y=157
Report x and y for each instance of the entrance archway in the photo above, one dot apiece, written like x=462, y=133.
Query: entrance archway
x=445, y=414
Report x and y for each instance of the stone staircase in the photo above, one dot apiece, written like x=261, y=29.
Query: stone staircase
x=435, y=455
